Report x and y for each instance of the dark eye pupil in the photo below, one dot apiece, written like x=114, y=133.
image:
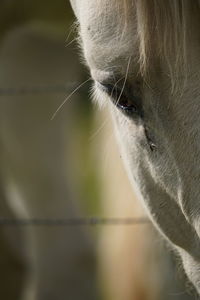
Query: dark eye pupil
x=126, y=105
x=120, y=98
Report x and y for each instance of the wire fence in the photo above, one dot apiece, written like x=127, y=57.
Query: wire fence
x=81, y=221
x=42, y=89
x=91, y=221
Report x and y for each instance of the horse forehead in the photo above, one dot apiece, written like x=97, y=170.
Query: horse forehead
x=100, y=13
x=108, y=35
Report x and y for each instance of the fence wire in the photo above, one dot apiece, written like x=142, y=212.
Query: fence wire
x=41, y=89
x=91, y=221
x=82, y=221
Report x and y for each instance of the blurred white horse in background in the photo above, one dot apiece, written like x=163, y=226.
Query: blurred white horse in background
x=144, y=57
x=37, y=171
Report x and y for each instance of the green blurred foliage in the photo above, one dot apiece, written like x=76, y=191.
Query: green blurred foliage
x=16, y=12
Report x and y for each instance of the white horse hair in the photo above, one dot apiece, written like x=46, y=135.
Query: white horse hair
x=144, y=57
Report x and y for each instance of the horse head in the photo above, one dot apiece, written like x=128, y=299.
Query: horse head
x=144, y=58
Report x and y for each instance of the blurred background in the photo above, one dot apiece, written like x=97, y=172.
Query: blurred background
x=60, y=168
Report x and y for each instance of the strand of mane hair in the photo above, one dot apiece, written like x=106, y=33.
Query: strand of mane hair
x=162, y=27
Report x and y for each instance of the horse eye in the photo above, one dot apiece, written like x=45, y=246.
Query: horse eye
x=121, y=97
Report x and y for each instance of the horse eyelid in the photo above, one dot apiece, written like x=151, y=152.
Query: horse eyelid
x=118, y=95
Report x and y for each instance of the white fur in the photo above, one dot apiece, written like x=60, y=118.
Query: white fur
x=167, y=178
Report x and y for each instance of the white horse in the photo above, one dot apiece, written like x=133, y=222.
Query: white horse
x=144, y=58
